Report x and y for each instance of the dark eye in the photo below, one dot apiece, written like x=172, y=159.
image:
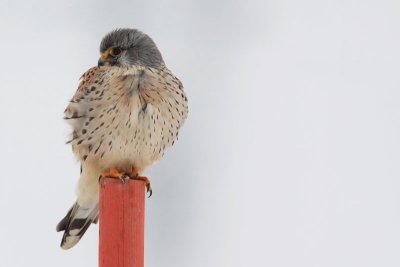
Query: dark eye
x=115, y=51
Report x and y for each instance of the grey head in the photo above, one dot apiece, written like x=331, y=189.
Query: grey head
x=127, y=47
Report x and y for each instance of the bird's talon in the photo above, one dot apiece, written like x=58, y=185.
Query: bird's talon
x=113, y=173
x=134, y=175
x=149, y=190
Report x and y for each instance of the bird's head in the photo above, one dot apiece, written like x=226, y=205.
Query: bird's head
x=126, y=47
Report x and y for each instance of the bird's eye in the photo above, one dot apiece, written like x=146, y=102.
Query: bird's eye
x=115, y=51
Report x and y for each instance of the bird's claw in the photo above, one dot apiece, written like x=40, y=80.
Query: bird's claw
x=149, y=190
x=115, y=174
x=146, y=181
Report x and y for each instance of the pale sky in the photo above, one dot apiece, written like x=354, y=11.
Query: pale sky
x=290, y=154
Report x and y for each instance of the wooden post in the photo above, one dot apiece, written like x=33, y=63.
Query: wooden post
x=121, y=218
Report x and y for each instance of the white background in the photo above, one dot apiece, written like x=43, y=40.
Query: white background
x=290, y=155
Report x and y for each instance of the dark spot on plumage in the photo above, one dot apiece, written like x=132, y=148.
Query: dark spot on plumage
x=84, y=131
x=102, y=154
x=91, y=118
x=85, y=157
x=102, y=124
x=93, y=88
x=97, y=149
x=80, y=142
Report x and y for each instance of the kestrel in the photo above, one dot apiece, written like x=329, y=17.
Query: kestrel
x=125, y=113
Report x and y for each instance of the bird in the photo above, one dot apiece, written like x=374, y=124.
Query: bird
x=126, y=112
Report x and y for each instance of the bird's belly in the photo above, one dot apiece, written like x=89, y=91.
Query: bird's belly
x=133, y=138
x=130, y=149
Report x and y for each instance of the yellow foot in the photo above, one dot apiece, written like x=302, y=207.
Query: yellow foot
x=134, y=175
x=113, y=173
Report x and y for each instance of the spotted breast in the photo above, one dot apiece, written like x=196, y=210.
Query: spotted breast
x=124, y=117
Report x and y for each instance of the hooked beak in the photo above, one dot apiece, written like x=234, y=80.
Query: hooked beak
x=103, y=60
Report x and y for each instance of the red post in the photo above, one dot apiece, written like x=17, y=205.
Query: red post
x=121, y=223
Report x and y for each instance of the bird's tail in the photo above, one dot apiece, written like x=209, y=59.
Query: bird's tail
x=75, y=224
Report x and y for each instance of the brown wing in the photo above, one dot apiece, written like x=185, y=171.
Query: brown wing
x=88, y=95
